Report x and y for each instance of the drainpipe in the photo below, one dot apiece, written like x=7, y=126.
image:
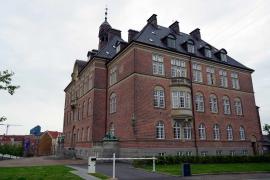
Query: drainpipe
x=194, y=124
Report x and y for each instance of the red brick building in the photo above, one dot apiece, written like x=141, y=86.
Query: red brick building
x=161, y=92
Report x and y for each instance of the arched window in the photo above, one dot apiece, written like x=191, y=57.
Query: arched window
x=160, y=130
x=113, y=103
x=89, y=109
x=202, y=133
x=88, y=134
x=199, y=102
x=229, y=133
x=216, y=132
x=238, y=106
x=213, y=103
x=226, y=105
x=82, y=136
x=242, y=133
x=187, y=130
x=159, y=97
x=78, y=135
x=177, y=130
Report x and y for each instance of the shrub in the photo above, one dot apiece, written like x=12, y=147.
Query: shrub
x=15, y=150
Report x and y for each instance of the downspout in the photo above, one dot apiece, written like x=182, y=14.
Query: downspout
x=194, y=124
x=106, y=96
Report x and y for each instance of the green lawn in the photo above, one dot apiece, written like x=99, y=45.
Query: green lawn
x=212, y=168
x=100, y=176
x=37, y=173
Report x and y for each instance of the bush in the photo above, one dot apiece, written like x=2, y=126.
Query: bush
x=163, y=160
x=15, y=150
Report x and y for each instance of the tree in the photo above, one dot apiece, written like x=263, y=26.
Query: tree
x=266, y=128
x=5, y=84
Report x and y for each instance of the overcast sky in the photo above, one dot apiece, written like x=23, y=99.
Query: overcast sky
x=40, y=40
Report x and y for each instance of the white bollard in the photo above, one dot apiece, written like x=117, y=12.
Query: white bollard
x=92, y=164
x=113, y=165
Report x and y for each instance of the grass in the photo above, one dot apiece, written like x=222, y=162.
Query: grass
x=37, y=173
x=100, y=176
x=175, y=169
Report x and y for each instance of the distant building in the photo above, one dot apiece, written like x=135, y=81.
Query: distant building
x=161, y=92
x=48, y=142
x=12, y=139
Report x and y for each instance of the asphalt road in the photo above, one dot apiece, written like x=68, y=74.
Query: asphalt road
x=125, y=171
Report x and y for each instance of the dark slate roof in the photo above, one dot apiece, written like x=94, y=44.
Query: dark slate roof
x=157, y=34
x=81, y=64
x=109, y=51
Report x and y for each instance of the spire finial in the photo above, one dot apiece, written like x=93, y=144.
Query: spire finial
x=106, y=13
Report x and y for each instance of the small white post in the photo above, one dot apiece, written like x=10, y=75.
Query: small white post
x=113, y=165
x=92, y=164
x=154, y=164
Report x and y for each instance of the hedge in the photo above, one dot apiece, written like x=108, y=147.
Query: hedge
x=15, y=150
x=203, y=159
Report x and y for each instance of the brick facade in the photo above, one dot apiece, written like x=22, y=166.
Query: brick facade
x=135, y=119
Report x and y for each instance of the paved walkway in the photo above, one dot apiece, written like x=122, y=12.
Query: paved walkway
x=38, y=161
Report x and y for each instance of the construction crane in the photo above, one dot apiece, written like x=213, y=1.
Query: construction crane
x=8, y=125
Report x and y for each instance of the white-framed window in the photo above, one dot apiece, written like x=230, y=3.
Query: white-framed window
x=216, y=132
x=180, y=153
x=204, y=153
x=197, y=72
x=226, y=105
x=235, y=80
x=238, y=107
x=223, y=78
x=199, y=102
x=190, y=47
x=213, y=103
x=242, y=133
x=159, y=97
x=158, y=66
x=178, y=68
x=187, y=131
x=113, y=103
x=218, y=152
x=229, y=133
x=160, y=130
x=113, y=76
x=202, y=132
x=161, y=154
x=210, y=73
x=177, y=130
x=244, y=152
x=207, y=52
x=181, y=99
x=189, y=153
x=232, y=153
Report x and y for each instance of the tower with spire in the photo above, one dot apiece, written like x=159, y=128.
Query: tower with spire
x=103, y=34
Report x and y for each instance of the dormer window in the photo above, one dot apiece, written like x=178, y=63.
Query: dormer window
x=207, y=52
x=190, y=46
x=171, y=42
x=223, y=55
x=118, y=48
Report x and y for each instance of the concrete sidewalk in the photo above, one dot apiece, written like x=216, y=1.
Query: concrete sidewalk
x=82, y=172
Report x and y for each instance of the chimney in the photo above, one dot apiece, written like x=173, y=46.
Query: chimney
x=114, y=32
x=153, y=20
x=196, y=33
x=175, y=27
x=132, y=34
